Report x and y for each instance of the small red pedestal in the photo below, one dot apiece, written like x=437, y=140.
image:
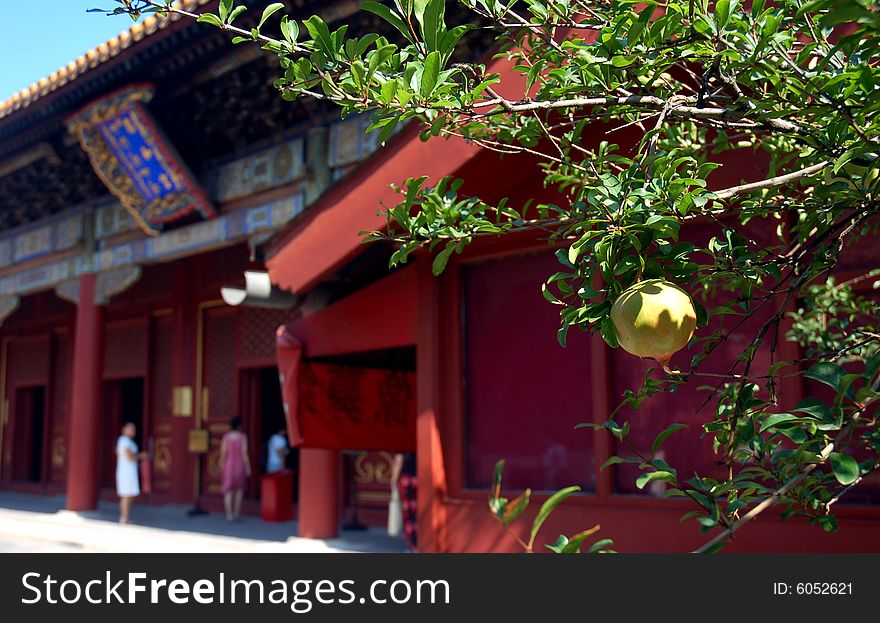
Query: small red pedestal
x=276, y=496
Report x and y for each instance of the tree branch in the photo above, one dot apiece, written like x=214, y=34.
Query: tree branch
x=847, y=488
x=652, y=101
x=170, y=8
x=727, y=193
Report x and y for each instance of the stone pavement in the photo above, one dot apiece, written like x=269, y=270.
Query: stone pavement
x=39, y=523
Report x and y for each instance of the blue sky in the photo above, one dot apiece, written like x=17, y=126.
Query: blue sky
x=40, y=37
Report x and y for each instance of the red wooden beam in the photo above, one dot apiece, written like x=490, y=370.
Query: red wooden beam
x=381, y=315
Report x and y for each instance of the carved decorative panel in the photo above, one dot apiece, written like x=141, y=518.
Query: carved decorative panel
x=125, y=349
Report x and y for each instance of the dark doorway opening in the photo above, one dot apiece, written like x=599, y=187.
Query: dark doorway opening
x=272, y=418
x=263, y=414
x=123, y=402
x=30, y=435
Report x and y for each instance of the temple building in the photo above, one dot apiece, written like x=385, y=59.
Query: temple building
x=179, y=245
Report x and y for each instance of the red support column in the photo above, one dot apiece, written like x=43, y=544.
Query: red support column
x=435, y=330
x=183, y=364
x=319, y=484
x=85, y=399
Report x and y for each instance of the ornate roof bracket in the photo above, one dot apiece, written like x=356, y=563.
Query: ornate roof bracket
x=109, y=285
x=8, y=304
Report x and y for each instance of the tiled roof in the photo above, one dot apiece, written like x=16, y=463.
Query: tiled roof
x=94, y=57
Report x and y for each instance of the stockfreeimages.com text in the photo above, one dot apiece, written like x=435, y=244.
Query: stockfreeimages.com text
x=299, y=595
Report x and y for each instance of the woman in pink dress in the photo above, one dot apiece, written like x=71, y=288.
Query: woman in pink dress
x=236, y=468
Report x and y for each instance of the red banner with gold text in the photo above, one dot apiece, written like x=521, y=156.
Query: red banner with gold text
x=349, y=408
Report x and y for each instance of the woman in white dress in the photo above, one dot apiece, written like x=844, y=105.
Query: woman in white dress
x=127, y=457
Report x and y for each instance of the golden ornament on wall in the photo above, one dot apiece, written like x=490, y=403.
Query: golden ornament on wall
x=162, y=456
x=59, y=452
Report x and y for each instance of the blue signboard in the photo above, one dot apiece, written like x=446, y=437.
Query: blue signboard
x=136, y=162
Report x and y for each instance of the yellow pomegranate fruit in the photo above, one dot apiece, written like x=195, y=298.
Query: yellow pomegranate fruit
x=654, y=319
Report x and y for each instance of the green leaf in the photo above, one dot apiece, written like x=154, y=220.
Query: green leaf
x=289, y=29
x=210, y=18
x=225, y=8
x=778, y=418
x=608, y=332
x=795, y=433
x=872, y=365
x=513, y=509
x=432, y=22
x=385, y=134
x=451, y=39
x=845, y=468
x=430, y=74
x=321, y=35
x=235, y=13
x=658, y=441
x=379, y=56
x=599, y=546
x=850, y=154
x=722, y=13
x=660, y=474
x=562, y=334
x=574, y=545
x=388, y=92
x=269, y=11
x=496, y=478
x=440, y=261
x=559, y=545
x=417, y=8
x=828, y=523
x=548, y=507
x=376, y=8
x=811, y=6
x=620, y=432
x=614, y=460
x=815, y=408
x=827, y=373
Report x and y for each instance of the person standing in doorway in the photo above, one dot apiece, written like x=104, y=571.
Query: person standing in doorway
x=127, y=457
x=276, y=459
x=236, y=468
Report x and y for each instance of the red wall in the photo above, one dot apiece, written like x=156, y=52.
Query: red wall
x=460, y=427
x=640, y=526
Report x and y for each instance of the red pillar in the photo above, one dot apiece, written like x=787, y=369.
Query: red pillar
x=433, y=352
x=319, y=473
x=85, y=399
x=184, y=346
